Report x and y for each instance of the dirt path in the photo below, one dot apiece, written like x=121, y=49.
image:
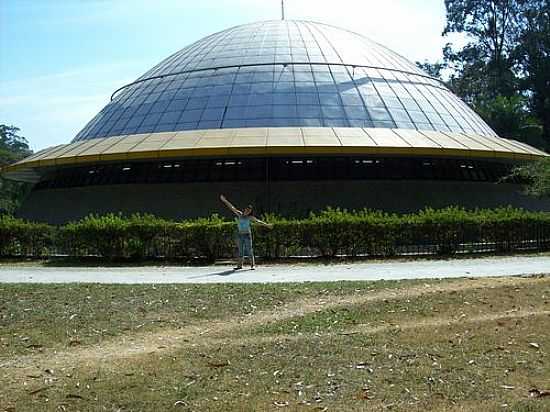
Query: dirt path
x=213, y=331
x=391, y=269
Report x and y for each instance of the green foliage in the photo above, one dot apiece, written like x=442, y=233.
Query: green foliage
x=19, y=237
x=12, y=148
x=509, y=117
x=533, y=56
x=329, y=233
x=97, y=235
x=433, y=69
x=538, y=176
x=506, y=58
x=484, y=66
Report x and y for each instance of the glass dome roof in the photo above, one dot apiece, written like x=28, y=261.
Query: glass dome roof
x=283, y=74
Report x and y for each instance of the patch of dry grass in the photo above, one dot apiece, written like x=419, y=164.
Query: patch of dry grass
x=413, y=346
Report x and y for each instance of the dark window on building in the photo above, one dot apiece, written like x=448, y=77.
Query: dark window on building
x=277, y=169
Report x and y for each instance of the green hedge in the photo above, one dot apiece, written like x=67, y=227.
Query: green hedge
x=18, y=237
x=328, y=233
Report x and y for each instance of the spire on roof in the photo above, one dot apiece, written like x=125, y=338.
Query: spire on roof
x=282, y=9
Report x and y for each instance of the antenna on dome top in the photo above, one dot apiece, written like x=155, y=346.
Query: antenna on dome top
x=282, y=9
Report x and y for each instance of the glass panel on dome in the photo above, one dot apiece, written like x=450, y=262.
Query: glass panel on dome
x=333, y=112
x=309, y=111
x=191, y=115
x=335, y=123
x=259, y=112
x=260, y=99
x=379, y=114
x=151, y=119
x=329, y=99
x=197, y=103
x=217, y=101
x=285, y=99
x=209, y=124
x=355, y=112
x=285, y=111
x=351, y=97
x=212, y=114
x=170, y=117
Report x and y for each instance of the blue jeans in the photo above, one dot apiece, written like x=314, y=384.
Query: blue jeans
x=245, y=245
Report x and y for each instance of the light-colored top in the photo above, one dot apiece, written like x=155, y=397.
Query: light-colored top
x=243, y=223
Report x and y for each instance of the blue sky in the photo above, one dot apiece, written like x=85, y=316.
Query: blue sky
x=60, y=60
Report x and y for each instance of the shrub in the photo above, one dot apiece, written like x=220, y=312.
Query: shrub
x=21, y=238
x=328, y=233
x=97, y=235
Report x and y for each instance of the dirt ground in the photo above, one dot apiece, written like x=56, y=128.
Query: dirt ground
x=464, y=344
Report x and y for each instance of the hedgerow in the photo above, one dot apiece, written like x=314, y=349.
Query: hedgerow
x=328, y=233
x=19, y=237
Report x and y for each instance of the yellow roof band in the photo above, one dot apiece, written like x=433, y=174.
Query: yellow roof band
x=271, y=142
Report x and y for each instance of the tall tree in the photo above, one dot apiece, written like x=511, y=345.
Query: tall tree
x=13, y=147
x=533, y=52
x=483, y=68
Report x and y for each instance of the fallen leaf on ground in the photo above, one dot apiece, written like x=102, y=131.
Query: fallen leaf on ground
x=280, y=404
x=73, y=396
x=537, y=393
x=365, y=393
x=34, y=346
x=222, y=364
x=34, y=392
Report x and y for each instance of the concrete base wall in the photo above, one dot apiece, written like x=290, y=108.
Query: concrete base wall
x=177, y=201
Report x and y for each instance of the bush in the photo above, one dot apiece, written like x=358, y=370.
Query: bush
x=328, y=233
x=21, y=238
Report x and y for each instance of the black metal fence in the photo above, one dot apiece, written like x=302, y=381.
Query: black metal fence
x=289, y=241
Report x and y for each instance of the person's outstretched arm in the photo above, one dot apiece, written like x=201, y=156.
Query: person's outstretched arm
x=261, y=222
x=230, y=206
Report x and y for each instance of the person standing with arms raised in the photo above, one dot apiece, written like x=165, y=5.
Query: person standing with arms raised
x=244, y=219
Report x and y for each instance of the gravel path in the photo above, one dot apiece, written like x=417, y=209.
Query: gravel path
x=477, y=267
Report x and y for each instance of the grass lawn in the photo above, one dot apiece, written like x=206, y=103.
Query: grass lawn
x=450, y=345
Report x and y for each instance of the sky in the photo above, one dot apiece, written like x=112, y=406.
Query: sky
x=60, y=60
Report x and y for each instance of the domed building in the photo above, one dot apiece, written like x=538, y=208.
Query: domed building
x=290, y=116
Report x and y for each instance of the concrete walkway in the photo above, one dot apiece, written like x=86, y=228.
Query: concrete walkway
x=477, y=267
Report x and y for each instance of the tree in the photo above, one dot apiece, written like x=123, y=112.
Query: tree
x=11, y=142
x=510, y=117
x=12, y=148
x=533, y=54
x=538, y=176
x=503, y=70
x=433, y=69
x=484, y=66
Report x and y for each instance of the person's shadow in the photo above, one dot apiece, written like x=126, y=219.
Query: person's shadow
x=223, y=273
